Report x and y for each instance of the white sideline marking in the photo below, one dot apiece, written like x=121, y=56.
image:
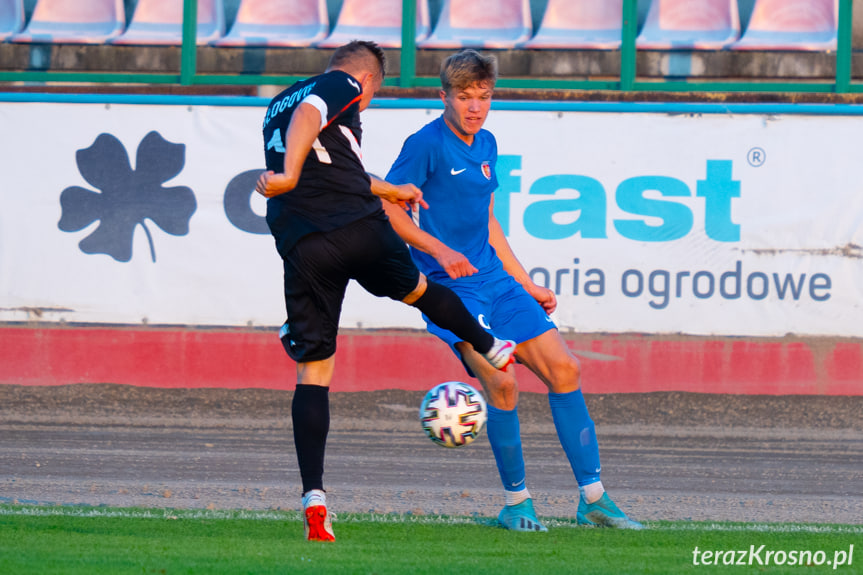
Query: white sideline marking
x=275, y=515
x=766, y=528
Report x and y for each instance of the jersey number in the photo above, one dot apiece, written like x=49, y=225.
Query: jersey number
x=275, y=142
x=321, y=152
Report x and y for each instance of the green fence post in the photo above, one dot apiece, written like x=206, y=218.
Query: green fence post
x=188, y=54
x=627, y=48
x=408, y=55
x=844, y=47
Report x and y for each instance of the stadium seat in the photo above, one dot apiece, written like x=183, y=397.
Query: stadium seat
x=74, y=22
x=160, y=22
x=580, y=25
x=376, y=20
x=791, y=25
x=481, y=24
x=690, y=25
x=286, y=23
x=11, y=18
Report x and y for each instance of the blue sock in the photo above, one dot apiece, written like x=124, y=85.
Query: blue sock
x=577, y=434
x=504, y=434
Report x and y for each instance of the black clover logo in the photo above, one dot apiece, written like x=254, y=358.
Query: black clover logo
x=128, y=197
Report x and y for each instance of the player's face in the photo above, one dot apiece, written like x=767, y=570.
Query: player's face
x=465, y=110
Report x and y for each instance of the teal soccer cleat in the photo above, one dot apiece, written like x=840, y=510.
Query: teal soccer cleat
x=520, y=517
x=604, y=513
x=582, y=520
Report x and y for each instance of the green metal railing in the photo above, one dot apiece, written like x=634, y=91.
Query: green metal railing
x=627, y=81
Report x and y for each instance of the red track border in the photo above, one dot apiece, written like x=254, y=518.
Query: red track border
x=369, y=360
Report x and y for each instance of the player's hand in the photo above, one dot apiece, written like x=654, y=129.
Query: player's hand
x=407, y=196
x=454, y=263
x=271, y=184
x=544, y=296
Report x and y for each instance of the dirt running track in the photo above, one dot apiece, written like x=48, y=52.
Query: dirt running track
x=665, y=455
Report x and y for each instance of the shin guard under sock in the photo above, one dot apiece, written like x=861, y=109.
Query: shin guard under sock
x=504, y=435
x=310, y=413
x=577, y=434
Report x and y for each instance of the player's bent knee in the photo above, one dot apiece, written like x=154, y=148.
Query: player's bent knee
x=417, y=293
x=503, y=387
x=565, y=376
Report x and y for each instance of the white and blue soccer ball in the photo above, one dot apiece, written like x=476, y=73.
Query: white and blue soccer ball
x=453, y=414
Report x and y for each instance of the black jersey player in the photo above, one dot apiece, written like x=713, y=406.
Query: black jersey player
x=326, y=216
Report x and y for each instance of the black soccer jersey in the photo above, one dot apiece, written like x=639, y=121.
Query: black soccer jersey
x=333, y=189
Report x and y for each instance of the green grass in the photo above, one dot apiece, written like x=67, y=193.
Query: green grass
x=72, y=540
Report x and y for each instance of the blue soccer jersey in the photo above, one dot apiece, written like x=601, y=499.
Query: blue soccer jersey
x=457, y=181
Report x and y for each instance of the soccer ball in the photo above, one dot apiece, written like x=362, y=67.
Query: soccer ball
x=453, y=414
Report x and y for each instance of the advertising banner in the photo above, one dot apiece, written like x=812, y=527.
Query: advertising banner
x=658, y=223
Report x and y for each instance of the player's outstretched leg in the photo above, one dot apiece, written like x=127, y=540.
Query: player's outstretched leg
x=316, y=518
x=444, y=308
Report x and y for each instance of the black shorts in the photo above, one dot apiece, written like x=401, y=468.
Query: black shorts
x=317, y=272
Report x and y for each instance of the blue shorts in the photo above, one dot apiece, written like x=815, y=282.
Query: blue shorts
x=500, y=304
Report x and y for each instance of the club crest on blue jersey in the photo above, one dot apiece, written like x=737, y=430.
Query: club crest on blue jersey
x=486, y=170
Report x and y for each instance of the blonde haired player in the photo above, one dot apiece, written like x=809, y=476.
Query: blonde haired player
x=459, y=243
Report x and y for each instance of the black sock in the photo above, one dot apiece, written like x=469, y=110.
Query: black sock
x=310, y=412
x=444, y=308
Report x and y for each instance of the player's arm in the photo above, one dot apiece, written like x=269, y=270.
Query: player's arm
x=404, y=195
x=301, y=135
x=498, y=241
x=454, y=263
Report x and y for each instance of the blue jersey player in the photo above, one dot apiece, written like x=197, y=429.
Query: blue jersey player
x=458, y=242
x=325, y=214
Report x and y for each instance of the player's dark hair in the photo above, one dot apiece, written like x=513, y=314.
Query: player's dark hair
x=466, y=68
x=358, y=49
